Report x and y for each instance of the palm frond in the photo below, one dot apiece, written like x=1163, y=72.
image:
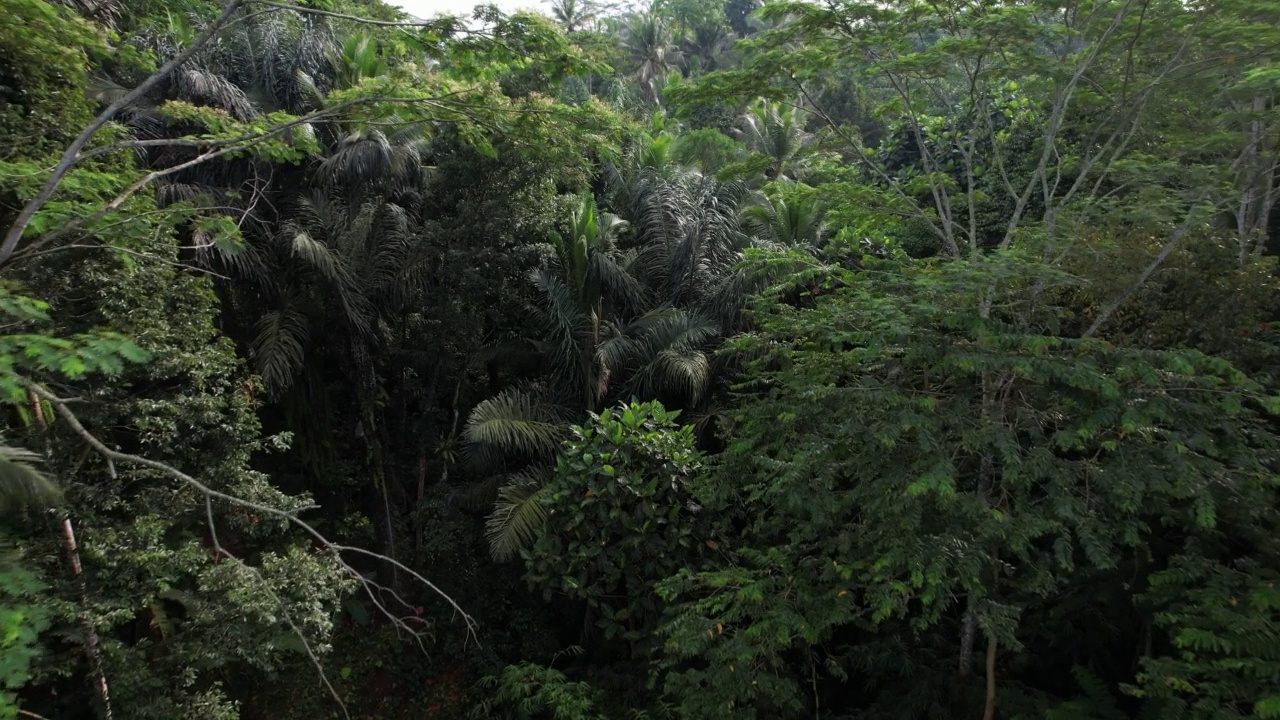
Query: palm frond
x=332, y=269
x=361, y=158
x=662, y=352
x=308, y=90
x=518, y=422
x=568, y=332
x=481, y=495
x=202, y=86
x=517, y=515
x=611, y=273
x=278, y=348
x=21, y=484
x=685, y=371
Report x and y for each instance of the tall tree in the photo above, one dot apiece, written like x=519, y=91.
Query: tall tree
x=651, y=45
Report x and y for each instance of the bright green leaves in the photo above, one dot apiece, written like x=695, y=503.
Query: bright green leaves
x=620, y=515
x=21, y=622
x=27, y=355
x=46, y=47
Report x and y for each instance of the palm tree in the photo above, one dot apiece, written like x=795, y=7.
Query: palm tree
x=690, y=234
x=341, y=282
x=602, y=336
x=339, y=271
x=787, y=220
x=572, y=14
x=651, y=46
x=703, y=47
x=777, y=135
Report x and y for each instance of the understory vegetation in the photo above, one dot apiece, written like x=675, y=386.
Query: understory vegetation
x=908, y=360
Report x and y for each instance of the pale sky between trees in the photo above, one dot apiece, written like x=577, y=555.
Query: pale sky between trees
x=428, y=8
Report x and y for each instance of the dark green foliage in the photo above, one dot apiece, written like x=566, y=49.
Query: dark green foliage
x=993, y=438
x=1222, y=618
x=912, y=463
x=526, y=690
x=619, y=515
x=708, y=148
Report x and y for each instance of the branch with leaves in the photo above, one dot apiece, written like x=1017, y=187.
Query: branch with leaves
x=406, y=624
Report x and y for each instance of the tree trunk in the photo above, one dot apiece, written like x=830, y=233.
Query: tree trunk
x=91, y=644
x=966, y=641
x=989, y=713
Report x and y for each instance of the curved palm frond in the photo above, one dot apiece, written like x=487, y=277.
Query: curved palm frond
x=517, y=514
x=517, y=422
x=649, y=41
x=777, y=133
x=704, y=45
x=357, y=60
x=691, y=232
x=569, y=333
x=329, y=256
x=21, y=484
x=204, y=87
x=662, y=352
x=572, y=14
x=279, y=348
x=788, y=222
x=361, y=158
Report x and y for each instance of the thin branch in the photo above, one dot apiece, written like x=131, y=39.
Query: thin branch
x=1110, y=308
x=290, y=517
x=352, y=18
x=246, y=141
x=69, y=157
x=284, y=611
x=141, y=255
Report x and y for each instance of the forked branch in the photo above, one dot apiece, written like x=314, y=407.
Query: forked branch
x=408, y=623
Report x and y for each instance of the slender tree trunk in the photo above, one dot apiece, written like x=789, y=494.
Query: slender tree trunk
x=91, y=644
x=989, y=713
x=967, y=633
x=377, y=468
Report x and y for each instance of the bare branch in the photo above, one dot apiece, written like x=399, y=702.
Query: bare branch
x=284, y=611
x=335, y=550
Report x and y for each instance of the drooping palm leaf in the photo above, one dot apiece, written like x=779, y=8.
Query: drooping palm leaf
x=516, y=423
x=772, y=131
x=796, y=222
x=202, y=86
x=517, y=514
x=21, y=484
x=278, y=348
x=662, y=352
x=569, y=335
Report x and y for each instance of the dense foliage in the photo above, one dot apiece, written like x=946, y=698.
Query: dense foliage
x=699, y=359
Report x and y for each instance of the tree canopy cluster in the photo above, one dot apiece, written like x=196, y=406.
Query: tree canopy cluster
x=907, y=360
